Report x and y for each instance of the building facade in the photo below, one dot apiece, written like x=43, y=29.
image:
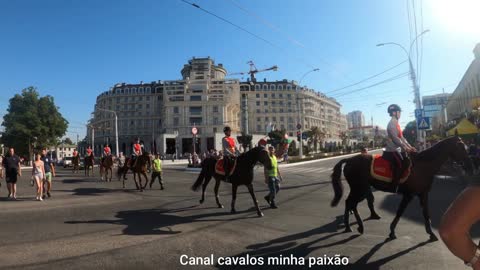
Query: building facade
x=355, y=119
x=163, y=113
x=466, y=96
x=434, y=107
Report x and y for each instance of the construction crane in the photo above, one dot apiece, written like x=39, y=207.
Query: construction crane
x=254, y=70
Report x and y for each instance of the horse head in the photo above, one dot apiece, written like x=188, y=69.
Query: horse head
x=459, y=154
x=260, y=154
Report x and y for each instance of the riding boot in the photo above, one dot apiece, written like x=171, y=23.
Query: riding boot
x=226, y=168
x=396, y=175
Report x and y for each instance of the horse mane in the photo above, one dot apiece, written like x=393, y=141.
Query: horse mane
x=434, y=151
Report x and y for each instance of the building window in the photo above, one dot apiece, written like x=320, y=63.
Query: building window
x=267, y=119
x=215, y=109
x=140, y=90
x=147, y=98
x=265, y=87
x=147, y=106
x=273, y=95
x=257, y=86
x=259, y=128
x=258, y=110
x=259, y=119
x=272, y=87
x=274, y=119
x=215, y=121
x=258, y=103
x=281, y=110
x=280, y=87
x=266, y=110
x=175, y=110
x=195, y=98
x=289, y=87
x=149, y=90
x=195, y=120
x=280, y=95
x=196, y=110
x=176, y=121
x=134, y=90
x=257, y=95
x=282, y=118
x=265, y=103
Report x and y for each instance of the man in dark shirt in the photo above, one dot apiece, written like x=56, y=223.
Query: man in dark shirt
x=11, y=163
x=49, y=172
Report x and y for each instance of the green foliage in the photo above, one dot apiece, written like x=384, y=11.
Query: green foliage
x=292, y=149
x=245, y=140
x=314, y=136
x=34, y=119
x=67, y=141
x=277, y=137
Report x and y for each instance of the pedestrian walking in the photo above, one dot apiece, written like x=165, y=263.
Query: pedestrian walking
x=272, y=179
x=157, y=171
x=49, y=173
x=13, y=169
x=38, y=174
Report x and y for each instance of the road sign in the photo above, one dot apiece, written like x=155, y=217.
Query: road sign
x=304, y=136
x=194, y=130
x=299, y=126
x=423, y=123
x=418, y=113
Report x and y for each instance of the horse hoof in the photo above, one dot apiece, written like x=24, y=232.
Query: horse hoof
x=375, y=216
x=433, y=238
x=233, y=211
x=221, y=206
x=360, y=230
x=347, y=230
x=260, y=214
x=392, y=236
x=201, y=201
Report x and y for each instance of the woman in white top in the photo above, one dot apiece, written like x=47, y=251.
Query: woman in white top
x=38, y=173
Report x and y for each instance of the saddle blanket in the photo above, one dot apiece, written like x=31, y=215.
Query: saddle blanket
x=381, y=170
x=219, y=167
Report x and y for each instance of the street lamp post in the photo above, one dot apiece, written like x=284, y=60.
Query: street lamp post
x=116, y=128
x=300, y=117
x=413, y=77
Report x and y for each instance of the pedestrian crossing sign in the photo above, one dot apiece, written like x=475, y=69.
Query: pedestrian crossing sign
x=423, y=123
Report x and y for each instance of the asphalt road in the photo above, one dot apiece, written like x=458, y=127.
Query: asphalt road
x=89, y=224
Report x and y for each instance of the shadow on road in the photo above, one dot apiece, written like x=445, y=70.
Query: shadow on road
x=158, y=221
x=440, y=197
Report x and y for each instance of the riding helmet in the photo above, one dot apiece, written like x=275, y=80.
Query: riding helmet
x=227, y=128
x=394, y=108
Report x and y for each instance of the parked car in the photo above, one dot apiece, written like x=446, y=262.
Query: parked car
x=67, y=162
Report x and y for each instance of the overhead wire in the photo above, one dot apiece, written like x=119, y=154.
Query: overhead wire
x=401, y=75
x=246, y=31
x=366, y=79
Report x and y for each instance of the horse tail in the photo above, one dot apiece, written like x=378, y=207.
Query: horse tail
x=337, y=182
x=200, y=177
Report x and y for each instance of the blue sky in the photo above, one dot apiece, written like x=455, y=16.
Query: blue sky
x=74, y=50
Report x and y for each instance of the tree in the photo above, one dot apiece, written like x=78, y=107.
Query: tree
x=32, y=121
x=410, y=132
x=315, y=136
x=67, y=141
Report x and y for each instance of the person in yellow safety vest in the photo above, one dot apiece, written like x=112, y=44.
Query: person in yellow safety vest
x=272, y=179
x=157, y=171
x=229, y=152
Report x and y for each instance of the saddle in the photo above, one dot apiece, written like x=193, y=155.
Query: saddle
x=381, y=169
x=219, y=167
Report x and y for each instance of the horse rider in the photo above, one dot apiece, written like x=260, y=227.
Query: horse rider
x=230, y=151
x=89, y=151
x=75, y=152
x=106, y=152
x=137, y=151
x=398, y=160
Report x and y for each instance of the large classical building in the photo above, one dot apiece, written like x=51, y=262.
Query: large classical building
x=466, y=96
x=163, y=113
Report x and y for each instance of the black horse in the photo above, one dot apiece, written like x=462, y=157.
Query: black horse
x=242, y=175
x=89, y=162
x=419, y=182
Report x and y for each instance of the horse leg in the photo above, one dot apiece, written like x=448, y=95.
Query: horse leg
x=360, y=228
x=254, y=198
x=217, y=198
x=346, y=215
x=204, y=188
x=146, y=180
x=403, y=205
x=370, y=201
x=426, y=215
x=135, y=180
x=234, y=198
